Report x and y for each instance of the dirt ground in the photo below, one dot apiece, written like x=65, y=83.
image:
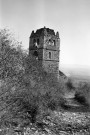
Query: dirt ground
x=58, y=123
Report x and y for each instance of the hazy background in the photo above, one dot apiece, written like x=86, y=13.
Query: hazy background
x=70, y=17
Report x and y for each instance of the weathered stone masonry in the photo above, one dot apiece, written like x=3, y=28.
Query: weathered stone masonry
x=44, y=45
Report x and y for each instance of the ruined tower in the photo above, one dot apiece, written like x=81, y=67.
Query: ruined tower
x=44, y=45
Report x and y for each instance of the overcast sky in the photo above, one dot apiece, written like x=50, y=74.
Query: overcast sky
x=70, y=17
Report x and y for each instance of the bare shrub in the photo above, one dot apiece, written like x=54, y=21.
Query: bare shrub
x=69, y=85
x=27, y=89
x=83, y=93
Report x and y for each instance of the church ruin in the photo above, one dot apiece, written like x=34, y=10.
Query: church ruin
x=44, y=45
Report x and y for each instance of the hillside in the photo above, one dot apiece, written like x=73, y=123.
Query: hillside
x=77, y=73
x=32, y=101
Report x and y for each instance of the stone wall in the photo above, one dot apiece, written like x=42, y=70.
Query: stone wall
x=44, y=45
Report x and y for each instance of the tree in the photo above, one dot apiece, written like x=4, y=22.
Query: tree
x=69, y=85
x=11, y=57
x=27, y=89
x=83, y=93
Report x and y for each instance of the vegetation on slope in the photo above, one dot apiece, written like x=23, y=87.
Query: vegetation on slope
x=82, y=94
x=26, y=91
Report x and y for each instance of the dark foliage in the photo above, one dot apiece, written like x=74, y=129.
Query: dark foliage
x=69, y=85
x=80, y=98
x=82, y=94
x=27, y=90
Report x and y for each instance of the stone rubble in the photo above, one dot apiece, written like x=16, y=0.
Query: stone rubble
x=65, y=123
x=60, y=123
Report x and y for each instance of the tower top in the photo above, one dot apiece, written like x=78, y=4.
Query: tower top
x=44, y=31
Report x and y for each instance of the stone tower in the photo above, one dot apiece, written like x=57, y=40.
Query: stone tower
x=44, y=45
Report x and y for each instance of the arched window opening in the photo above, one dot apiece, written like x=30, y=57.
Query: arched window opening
x=54, y=42
x=34, y=41
x=35, y=53
x=38, y=41
x=49, y=55
x=49, y=41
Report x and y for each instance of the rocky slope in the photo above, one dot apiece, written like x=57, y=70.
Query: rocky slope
x=57, y=123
